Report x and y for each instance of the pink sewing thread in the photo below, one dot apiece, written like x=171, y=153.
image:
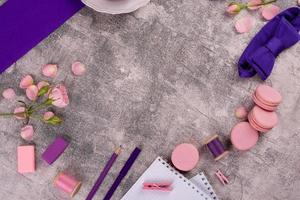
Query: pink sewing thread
x=67, y=183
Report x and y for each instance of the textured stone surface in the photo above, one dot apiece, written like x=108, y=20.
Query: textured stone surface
x=160, y=76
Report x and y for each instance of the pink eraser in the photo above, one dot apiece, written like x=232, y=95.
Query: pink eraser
x=26, y=159
x=243, y=136
x=185, y=157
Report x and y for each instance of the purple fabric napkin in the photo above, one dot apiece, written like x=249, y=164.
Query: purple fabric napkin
x=24, y=23
x=277, y=35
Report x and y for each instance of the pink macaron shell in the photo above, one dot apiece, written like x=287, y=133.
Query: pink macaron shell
x=185, y=157
x=265, y=102
x=255, y=126
x=243, y=136
x=262, y=105
x=268, y=95
x=263, y=118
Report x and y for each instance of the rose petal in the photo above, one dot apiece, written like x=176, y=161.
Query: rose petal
x=27, y=133
x=244, y=25
x=48, y=115
x=241, y=112
x=32, y=92
x=9, y=93
x=254, y=4
x=26, y=82
x=269, y=11
x=50, y=70
x=42, y=84
x=17, y=112
x=78, y=68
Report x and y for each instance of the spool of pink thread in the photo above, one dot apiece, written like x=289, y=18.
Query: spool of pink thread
x=67, y=183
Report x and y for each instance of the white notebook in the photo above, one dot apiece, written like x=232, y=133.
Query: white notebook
x=201, y=182
x=160, y=171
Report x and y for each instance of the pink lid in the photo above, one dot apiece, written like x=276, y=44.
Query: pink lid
x=185, y=157
x=268, y=95
x=264, y=119
x=243, y=136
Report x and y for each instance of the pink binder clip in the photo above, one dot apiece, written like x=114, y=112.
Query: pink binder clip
x=158, y=186
x=221, y=177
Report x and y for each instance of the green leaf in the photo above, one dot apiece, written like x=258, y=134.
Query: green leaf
x=43, y=90
x=54, y=120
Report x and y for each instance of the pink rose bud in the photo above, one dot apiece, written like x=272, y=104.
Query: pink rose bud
x=32, y=92
x=254, y=4
x=9, y=93
x=59, y=96
x=27, y=133
x=42, y=84
x=269, y=11
x=241, y=112
x=50, y=70
x=19, y=113
x=26, y=82
x=78, y=68
x=234, y=8
x=48, y=115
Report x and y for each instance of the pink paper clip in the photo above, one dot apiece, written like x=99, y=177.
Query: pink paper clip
x=158, y=186
x=221, y=177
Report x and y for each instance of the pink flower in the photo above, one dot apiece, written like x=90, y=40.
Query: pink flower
x=59, y=96
x=48, y=115
x=9, y=93
x=244, y=24
x=19, y=113
x=42, y=84
x=241, y=112
x=26, y=82
x=78, y=68
x=32, y=92
x=234, y=8
x=27, y=133
x=269, y=11
x=254, y=4
x=299, y=2
x=49, y=70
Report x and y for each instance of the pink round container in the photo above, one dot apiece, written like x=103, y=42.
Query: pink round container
x=185, y=157
x=243, y=136
x=67, y=183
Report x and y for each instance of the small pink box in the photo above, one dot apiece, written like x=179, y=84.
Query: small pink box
x=26, y=159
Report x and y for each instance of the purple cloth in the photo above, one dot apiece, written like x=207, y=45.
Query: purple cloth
x=24, y=23
x=55, y=149
x=277, y=35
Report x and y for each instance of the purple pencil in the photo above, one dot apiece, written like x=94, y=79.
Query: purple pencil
x=103, y=174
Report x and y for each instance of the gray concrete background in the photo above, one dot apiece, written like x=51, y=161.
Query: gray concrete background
x=160, y=76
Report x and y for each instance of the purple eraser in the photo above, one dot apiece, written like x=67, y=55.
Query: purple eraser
x=55, y=149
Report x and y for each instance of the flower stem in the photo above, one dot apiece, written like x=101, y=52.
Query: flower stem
x=7, y=114
x=268, y=2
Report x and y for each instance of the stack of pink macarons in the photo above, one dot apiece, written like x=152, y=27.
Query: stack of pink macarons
x=262, y=117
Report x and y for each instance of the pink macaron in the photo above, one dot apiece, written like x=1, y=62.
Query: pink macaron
x=243, y=136
x=185, y=157
x=267, y=97
x=255, y=126
x=263, y=118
